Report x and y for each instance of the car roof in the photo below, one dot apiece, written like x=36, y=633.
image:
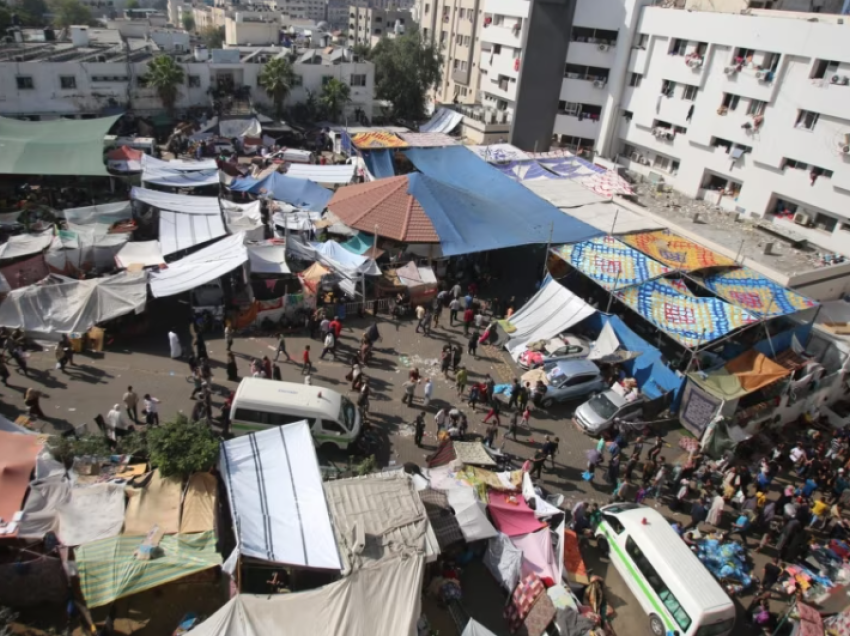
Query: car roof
x=574, y=367
x=615, y=398
x=263, y=393
x=574, y=340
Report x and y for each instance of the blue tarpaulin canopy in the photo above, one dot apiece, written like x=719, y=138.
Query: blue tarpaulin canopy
x=474, y=207
x=379, y=163
x=301, y=193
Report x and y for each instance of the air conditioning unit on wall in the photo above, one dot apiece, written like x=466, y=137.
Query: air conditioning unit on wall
x=599, y=84
x=730, y=70
x=801, y=218
x=603, y=47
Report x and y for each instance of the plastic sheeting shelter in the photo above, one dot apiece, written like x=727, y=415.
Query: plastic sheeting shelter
x=276, y=498
x=143, y=253
x=158, y=503
x=109, y=569
x=444, y=120
x=499, y=153
x=756, y=293
x=61, y=147
x=676, y=252
x=104, y=213
x=183, y=165
x=504, y=560
x=525, y=171
x=301, y=193
x=268, y=258
x=745, y=374
x=334, y=174
x=198, y=512
x=382, y=600
x=474, y=207
x=67, y=306
x=25, y=244
x=124, y=159
x=205, y=265
x=512, y=518
x=610, y=263
x=428, y=139
x=474, y=628
x=562, y=193
x=379, y=163
x=538, y=557
x=550, y=311
x=17, y=460
x=182, y=203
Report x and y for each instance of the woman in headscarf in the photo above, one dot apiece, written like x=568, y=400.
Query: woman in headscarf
x=715, y=513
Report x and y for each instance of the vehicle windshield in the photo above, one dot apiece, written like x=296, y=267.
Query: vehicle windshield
x=346, y=413
x=717, y=628
x=554, y=375
x=602, y=406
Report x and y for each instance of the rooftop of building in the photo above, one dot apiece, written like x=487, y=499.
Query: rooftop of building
x=745, y=236
x=103, y=45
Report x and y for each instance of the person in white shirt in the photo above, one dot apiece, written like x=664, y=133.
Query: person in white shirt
x=457, y=290
x=429, y=391
x=115, y=422
x=151, y=410
x=440, y=419
x=174, y=344
x=454, y=308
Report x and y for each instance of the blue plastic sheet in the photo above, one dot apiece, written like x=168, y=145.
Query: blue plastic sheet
x=474, y=207
x=379, y=163
x=301, y=193
x=727, y=561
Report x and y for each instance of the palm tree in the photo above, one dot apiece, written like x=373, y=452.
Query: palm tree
x=335, y=95
x=278, y=78
x=165, y=75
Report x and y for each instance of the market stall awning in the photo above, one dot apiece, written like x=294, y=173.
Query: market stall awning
x=276, y=497
x=268, y=258
x=377, y=139
x=386, y=207
x=17, y=461
x=65, y=305
x=322, y=174
x=124, y=159
x=428, y=139
x=301, y=193
x=675, y=251
x=157, y=503
x=607, y=183
x=525, y=171
x=379, y=163
x=180, y=178
x=109, y=569
x=444, y=120
x=183, y=165
x=25, y=244
x=178, y=231
x=107, y=213
x=182, y=203
x=690, y=320
x=741, y=376
x=610, y=263
x=60, y=147
x=140, y=253
x=756, y=293
x=572, y=167
x=203, y=266
x=499, y=153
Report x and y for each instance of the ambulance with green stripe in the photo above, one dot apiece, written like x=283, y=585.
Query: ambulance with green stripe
x=675, y=589
x=260, y=404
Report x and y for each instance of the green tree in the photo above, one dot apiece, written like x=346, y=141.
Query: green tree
x=335, y=95
x=213, y=37
x=188, y=22
x=132, y=4
x=277, y=78
x=179, y=448
x=69, y=12
x=65, y=449
x=165, y=75
x=405, y=68
x=362, y=51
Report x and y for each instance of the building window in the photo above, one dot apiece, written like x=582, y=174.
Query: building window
x=463, y=65
x=825, y=222
x=109, y=78
x=462, y=14
x=466, y=40
x=24, y=82
x=690, y=93
x=427, y=8
x=358, y=80
x=458, y=38
x=377, y=32
x=569, y=108
x=667, y=88
x=326, y=79
x=594, y=36
x=730, y=101
x=455, y=64
x=194, y=81
x=627, y=115
x=771, y=61
x=643, y=41
x=824, y=68
x=497, y=49
x=756, y=107
x=635, y=80
x=67, y=81
x=807, y=119
x=678, y=46
x=379, y=19
x=661, y=162
x=796, y=165
x=743, y=55
x=680, y=130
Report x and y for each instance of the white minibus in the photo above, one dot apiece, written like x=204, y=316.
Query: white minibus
x=675, y=589
x=260, y=404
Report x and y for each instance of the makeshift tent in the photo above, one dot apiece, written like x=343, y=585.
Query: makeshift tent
x=107, y=213
x=525, y=171
x=563, y=193
x=379, y=163
x=179, y=231
x=157, y=503
x=183, y=165
x=570, y=166
x=336, y=257
x=444, y=120
x=473, y=453
x=470, y=514
x=60, y=147
x=417, y=279
x=335, y=174
x=607, y=183
x=180, y=178
x=387, y=207
x=25, y=244
x=745, y=374
x=552, y=310
x=268, y=258
x=363, y=245
x=276, y=498
x=499, y=153
x=93, y=513
x=474, y=628
x=675, y=251
x=295, y=221
x=381, y=600
x=504, y=560
x=230, y=128
x=428, y=139
x=537, y=555
x=17, y=461
x=82, y=247
x=511, y=515
x=244, y=217
x=198, y=513
x=301, y=193
x=473, y=207
x=109, y=569
x=755, y=293
x=441, y=517
x=124, y=159
x=64, y=305
x=203, y=266
x=9, y=426
x=690, y=320
x=613, y=219
x=610, y=263
x=140, y=253
x=377, y=139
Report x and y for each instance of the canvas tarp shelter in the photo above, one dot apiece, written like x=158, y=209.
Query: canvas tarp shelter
x=17, y=460
x=69, y=306
x=83, y=246
x=741, y=376
x=182, y=203
x=180, y=178
x=551, y=311
x=184, y=165
x=109, y=569
x=444, y=120
x=380, y=600
x=244, y=217
x=333, y=255
x=340, y=174
x=230, y=128
x=268, y=258
x=25, y=244
x=538, y=557
x=144, y=253
x=103, y=213
x=205, y=265
x=498, y=153
x=157, y=503
x=179, y=231
x=276, y=498
x=301, y=193
x=124, y=159
x=563, y=193
x=60, y=147
x=504, y=560
x=198, y=513
x=512, y=517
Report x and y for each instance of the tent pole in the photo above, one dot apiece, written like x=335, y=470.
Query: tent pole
x=766, y=330
x=614, y=224
x=611, y=293
x=548, y=247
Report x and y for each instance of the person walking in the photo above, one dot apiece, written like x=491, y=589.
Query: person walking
x=61, y=354
x=513, y=427
x=491, y=433
x=468, y=315
x=200, y=347
x=151, y=411
x=32, y=400
x=550, y=448
x=330, y=345
x=281, y=347
x=116, y=423
x=174, y=345
x=419, y=428
x=307, y=368
x=420, y=318
x=409, y=388
x=324, y=327
x=363, y=398
x=428, y=392
x=656, y=448
x=522, y=399
x=472, y=344
x=20, y=359
x=474, y=396
x=494, y=412
x=356, y=374
x=515, y=388
x=131, y=403
x=267, y=367
x=228, y=336
x=526, y=419
x=232, y=371
x=4, y=371
x=436, y=312
x=461, y=378
x=537, y=464
x=454, y=308
x=440, y=418
x=457, y=353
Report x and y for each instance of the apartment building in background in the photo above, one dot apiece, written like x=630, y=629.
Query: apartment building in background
x=368, y=25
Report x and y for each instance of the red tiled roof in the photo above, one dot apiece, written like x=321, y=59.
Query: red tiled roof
x=387, y=204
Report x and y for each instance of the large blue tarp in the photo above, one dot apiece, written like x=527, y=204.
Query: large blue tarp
x=474, y=207
x=301, y=193
x=379, y=163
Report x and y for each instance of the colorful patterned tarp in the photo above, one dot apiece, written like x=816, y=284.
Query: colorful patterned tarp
x=571, y=167
x=607, y=183
x=755, y=293
x=378, y=139
x=610, y=262
x=690, y=320
x=675, y=251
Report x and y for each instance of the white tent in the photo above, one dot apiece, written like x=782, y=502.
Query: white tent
x=105, y=212
x=182, y=203
x=496, y=153
x=606, y=344
x=268, y=258
x=383, y=600
x=178, y=231
x=86, y=244
x=277, y=502
x=180, y=178
x=144, y=253
x=550, y=311
x=201, y=267
x=64, y=305
x=444, y=120
x=230, y=128
x=504, y=560
x=474, y=628
x=178, y=164
x=322, y=174
x=244, y=217
x=26, y=244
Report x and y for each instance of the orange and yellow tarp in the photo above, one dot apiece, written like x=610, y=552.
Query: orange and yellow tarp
x=378, y=139
x=675, y=251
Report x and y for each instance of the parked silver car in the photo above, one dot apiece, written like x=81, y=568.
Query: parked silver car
x=599, y=413
x=563, y=347
x=571, y=380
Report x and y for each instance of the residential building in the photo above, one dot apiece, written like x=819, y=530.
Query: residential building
x=95, y=71
x=740, y=6
x=367, y=25
x=255, y=27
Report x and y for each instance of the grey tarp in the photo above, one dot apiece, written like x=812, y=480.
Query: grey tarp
x=64, y=305
x=504, y=560
x=474, y=628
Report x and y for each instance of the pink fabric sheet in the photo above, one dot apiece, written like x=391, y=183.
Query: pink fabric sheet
x=538, y=557
x=512, y=519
